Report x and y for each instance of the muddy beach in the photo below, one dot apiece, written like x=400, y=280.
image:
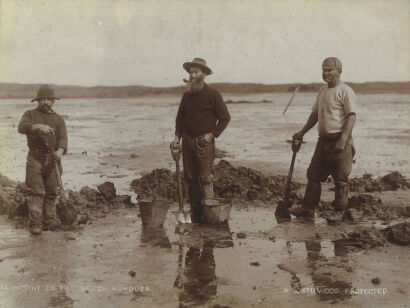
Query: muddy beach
x=106, y=258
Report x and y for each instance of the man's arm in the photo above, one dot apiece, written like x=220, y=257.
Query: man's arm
x=62, y=140
x=312, y=120
x=222, y=115
x=179, y=123
x=25, y=123
x=347, y=132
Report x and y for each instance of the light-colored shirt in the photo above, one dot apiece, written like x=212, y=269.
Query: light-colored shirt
x=333, y=105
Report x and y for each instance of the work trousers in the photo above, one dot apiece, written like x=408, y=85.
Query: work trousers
x=41, y=178
x=326, y=161
x=198, y=161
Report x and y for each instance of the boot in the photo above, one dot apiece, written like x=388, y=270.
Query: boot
x=341, y=196
x=35, y=229
x=310, y=201
x=208, y=190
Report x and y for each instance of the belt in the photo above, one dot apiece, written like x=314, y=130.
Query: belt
x=330, y=136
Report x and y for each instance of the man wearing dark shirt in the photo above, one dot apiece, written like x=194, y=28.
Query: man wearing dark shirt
x=47, y=141
x=202, y=116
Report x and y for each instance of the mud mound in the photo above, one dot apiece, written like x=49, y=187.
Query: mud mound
x=399, y=233
x=367, y=237
x=363, y=206
x=391, y=181
x=236, y=183
x=85, y=204
x=159, y=184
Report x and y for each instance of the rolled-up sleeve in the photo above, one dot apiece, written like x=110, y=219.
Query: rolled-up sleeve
x=26, y=123
x=349, y=102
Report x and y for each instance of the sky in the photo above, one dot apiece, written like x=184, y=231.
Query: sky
x=120, y=42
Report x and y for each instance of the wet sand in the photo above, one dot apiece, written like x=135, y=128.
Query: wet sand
x=267, y=265
x=273, y=266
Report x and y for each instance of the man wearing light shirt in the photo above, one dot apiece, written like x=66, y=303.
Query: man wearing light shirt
x=335, y=113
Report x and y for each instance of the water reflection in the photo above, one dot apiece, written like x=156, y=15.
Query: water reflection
x=331, y=278
x=196, y=268
x=155, y=236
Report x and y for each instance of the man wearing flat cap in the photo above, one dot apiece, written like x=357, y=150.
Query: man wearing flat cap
x=202, y=116
x=47, y=142
x=335, y=113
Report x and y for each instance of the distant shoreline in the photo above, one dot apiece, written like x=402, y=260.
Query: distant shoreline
x=15, y=90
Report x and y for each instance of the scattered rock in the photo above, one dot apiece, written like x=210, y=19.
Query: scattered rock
x=367, y=237
x=361, y=206
x=376, y=280
x=131, y=273
x=108, y=190
x=241, y=235
x=399, y=233
x=367, y=183
x=134, y=155
x=75, y=209
x=84, y=153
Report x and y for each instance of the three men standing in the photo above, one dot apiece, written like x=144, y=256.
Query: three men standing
x=47, y=142
x=335, y=113
x=202, y=116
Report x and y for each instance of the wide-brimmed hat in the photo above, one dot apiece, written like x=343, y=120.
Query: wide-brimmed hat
x=198, y=62
x=45, y=92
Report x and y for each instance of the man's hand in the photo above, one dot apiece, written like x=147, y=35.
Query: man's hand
x=57, y=155
x=205, y=139
x=42, y=128
x=175, y=144
x=298, y=136
x=340, y=144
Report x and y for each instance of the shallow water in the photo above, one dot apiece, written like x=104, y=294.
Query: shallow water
x=188, y=265
x=104, y=133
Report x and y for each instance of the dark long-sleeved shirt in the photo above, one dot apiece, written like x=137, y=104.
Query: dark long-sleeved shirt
x=35, y=141
x=201, y=113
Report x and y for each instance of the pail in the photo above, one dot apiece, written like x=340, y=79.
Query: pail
x=153, y=213
x=216, y=210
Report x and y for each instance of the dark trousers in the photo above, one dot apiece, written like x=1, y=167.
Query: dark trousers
x=41, y=178
x=326, y=161
x=198, y=161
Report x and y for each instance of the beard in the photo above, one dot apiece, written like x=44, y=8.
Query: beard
x=196, y=85
x=44, y=107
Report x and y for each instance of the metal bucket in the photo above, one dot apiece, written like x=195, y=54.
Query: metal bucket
x=216, y=210
x=153, y=213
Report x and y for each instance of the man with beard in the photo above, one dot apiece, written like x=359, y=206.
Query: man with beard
x=335, y=113
x=47, y=141
x=202, y=116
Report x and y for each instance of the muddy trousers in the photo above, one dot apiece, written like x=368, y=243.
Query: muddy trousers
x=198, y=161
x=326, y=161
x=41, y=178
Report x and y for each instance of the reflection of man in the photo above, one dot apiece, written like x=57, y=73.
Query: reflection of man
x=202, y=116
x=335, y=113
x=197, y=280
x=47, y=141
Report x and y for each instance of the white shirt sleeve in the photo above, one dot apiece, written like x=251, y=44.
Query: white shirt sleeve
x=349, y=101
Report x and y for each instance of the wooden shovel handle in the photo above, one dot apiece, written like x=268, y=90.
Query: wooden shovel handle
x=177, y=155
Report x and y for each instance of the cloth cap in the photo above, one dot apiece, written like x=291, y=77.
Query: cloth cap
x=332, y=62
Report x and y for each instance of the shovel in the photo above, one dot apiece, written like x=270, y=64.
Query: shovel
x=282, y=214
x=183, y=217
x=67, y=212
